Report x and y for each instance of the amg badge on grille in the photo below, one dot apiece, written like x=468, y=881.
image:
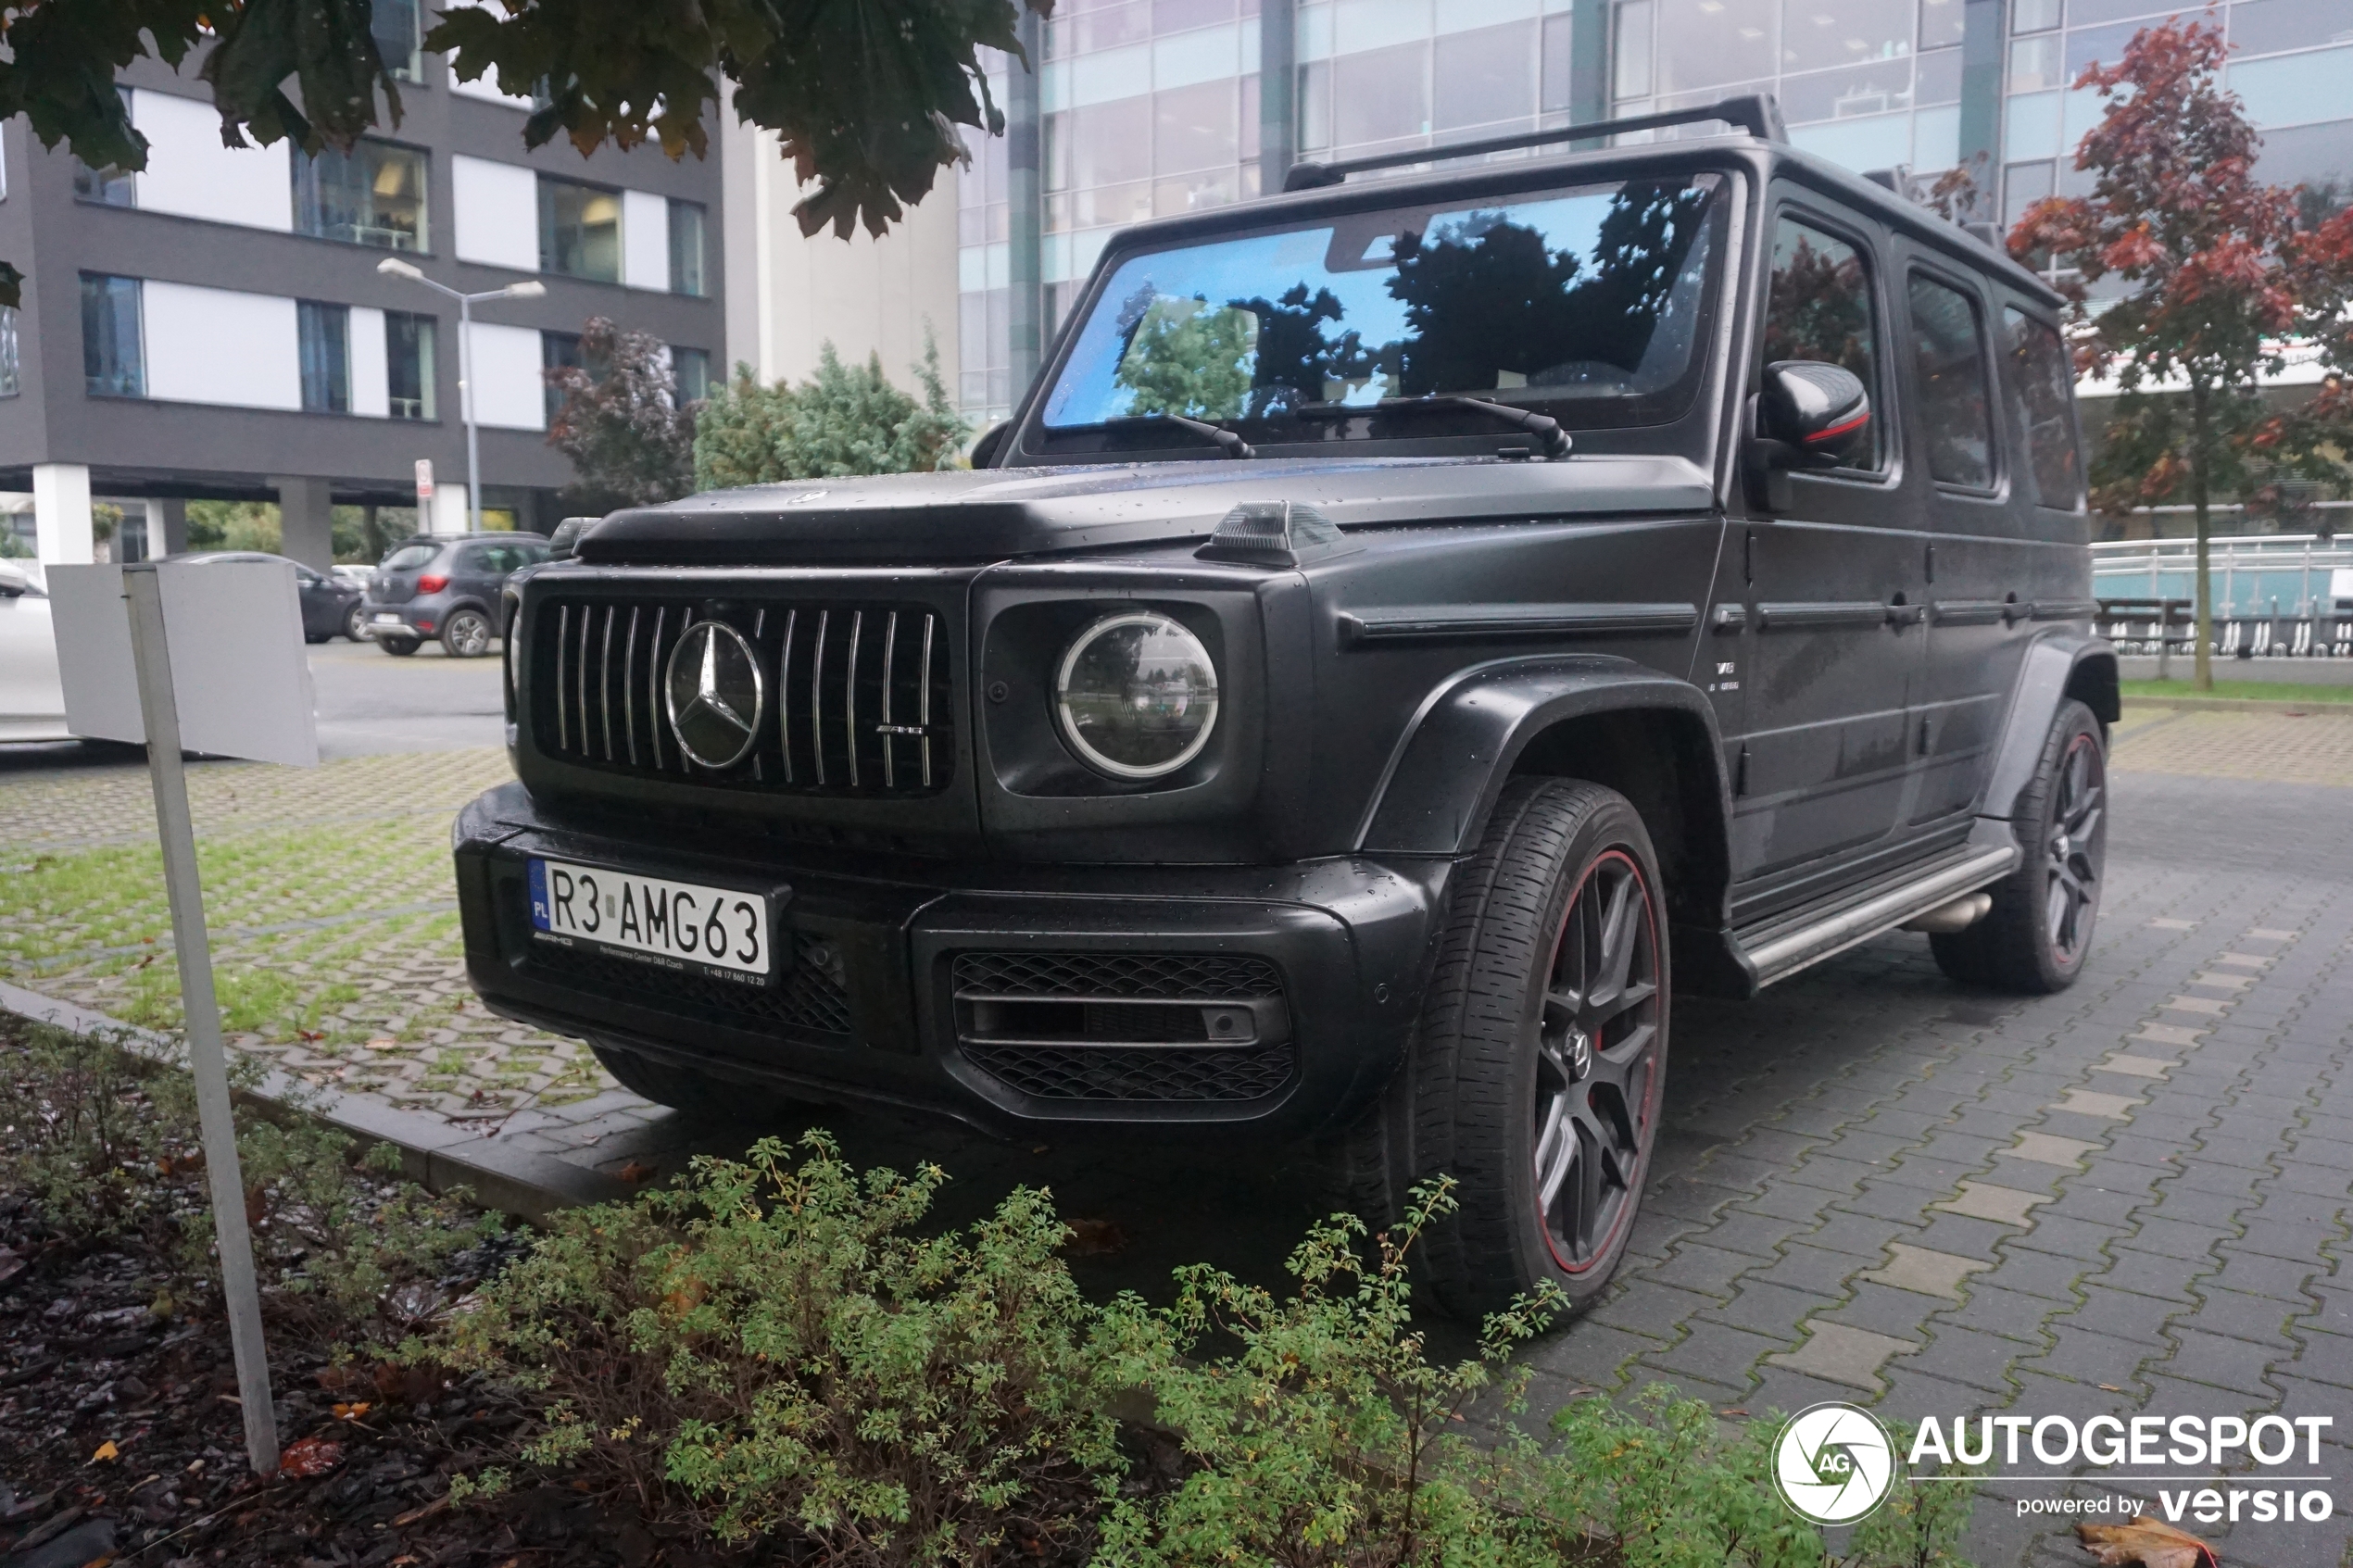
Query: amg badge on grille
x=715, y=693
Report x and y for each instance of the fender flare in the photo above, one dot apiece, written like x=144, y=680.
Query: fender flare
x=2057, y=667
x=1447, y=769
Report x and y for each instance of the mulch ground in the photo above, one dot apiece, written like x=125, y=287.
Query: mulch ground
x=124, y=1442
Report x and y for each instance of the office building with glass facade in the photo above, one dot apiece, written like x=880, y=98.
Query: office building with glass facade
x=1146, y=107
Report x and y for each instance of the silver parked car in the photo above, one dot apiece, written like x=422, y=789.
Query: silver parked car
x=33, y=702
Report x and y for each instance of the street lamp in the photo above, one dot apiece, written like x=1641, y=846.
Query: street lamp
x=392, y=266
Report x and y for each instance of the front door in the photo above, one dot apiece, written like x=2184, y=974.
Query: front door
x=1830, y=570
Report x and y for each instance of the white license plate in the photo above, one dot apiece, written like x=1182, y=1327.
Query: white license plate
x=385, y=619
x=676, y=924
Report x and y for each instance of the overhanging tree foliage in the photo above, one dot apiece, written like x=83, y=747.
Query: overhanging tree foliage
x=864, y=95
x=2221, y=275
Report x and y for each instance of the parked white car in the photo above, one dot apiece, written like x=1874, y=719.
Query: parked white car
x=32, y=703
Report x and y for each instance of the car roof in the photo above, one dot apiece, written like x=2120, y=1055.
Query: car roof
x=438, y=540
x=1763, y=158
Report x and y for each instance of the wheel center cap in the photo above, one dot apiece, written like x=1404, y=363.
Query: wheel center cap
x=1580, y=1054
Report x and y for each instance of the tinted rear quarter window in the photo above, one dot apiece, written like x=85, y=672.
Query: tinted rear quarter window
x=1954, y=408
x=412, y=557
x=1820, y=308
x=2045, y=384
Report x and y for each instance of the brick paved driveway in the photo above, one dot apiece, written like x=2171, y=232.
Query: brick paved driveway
x=2128, y=1199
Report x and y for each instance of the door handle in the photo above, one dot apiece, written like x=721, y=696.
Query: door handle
x=1901, y=615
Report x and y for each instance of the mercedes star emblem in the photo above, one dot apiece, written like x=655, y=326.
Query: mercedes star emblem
x=716, y=694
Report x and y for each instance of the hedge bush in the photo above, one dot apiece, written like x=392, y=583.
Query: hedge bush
x=791, y=1356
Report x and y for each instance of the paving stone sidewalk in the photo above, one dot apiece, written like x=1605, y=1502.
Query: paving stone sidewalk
x=2129, y=1198
x=335, y=926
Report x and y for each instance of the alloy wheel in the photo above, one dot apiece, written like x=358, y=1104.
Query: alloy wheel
x=467, y=636
x=2074, y=851
x=1597, y=1062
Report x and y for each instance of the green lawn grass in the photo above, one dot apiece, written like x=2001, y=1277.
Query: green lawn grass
x=2254, y=691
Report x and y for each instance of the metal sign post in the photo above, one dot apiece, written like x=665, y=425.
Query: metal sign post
x=208, y=1060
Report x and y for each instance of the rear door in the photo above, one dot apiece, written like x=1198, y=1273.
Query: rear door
x=1981, y=591
x=1831, y=569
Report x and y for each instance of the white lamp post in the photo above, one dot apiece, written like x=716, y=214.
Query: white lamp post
x=394, y=267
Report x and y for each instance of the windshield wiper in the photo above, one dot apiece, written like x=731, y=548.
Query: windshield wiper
x=1547, y=432
x=1233, y=446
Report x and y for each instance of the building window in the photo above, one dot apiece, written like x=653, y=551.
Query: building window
x=324, y=335
x=107, y=187
x=685, y=248
x=372, y=196
x=559, y=351
x=579, y=231
x=9, y=385
x=394, y=24
x=409, y=374
x=112, y=363
x=691, y=367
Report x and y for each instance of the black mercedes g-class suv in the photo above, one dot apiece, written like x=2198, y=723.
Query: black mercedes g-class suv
x=1408, y=621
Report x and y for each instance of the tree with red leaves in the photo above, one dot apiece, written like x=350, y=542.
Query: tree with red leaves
x=2219, y=273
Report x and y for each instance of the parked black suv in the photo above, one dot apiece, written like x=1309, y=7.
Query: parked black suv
x=448, y=585
x=1408, y=622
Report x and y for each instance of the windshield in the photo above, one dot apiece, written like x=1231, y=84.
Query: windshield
x=408, y=558
x=1585, y=304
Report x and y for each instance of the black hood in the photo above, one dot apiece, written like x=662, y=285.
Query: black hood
x=993, y=514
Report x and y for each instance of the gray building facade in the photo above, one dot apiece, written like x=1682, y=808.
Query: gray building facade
x=216, y=326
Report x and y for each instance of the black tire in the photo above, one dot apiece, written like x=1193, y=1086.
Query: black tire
x=684, y=1089
x=355, y=622
x=399, y=647
x=466, y=633
x=315, y=638
x=1496, y=1077
x=2035, y=938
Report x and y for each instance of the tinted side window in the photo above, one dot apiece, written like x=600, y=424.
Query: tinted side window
x=1820, y=308
x=1948, y=351
x=2040, y=373
x=475, y=558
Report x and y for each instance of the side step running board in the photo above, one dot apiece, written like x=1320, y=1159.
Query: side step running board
x=1790, y=952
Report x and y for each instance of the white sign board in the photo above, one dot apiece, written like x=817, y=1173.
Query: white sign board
x=239, y=674
x=2341, y=583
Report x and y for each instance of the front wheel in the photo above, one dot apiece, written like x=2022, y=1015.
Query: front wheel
x=1539, y=1055
x=354, y=624
x=466, y=635
x=2035, y=938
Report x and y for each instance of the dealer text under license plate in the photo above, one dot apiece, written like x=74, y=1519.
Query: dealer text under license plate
x=679, y=925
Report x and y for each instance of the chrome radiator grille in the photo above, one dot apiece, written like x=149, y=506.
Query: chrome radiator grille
x=855, y=696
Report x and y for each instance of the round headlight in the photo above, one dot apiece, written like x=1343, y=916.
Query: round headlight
x=1137, y=694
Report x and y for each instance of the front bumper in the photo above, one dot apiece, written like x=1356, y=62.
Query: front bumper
x=901, y=970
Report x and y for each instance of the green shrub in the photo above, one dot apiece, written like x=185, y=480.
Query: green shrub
x=772, y=1351
x=87, y=1129
x=846, y=420
x=106, y=1144
x=770, y=1348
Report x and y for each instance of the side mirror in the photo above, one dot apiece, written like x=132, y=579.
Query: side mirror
x=1818, y=415
x=564, y=542
x=991, y=441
